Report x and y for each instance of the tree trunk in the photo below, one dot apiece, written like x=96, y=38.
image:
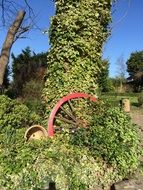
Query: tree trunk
x=5, y=52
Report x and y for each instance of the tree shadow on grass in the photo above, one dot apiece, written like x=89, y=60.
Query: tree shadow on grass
x=135, y=104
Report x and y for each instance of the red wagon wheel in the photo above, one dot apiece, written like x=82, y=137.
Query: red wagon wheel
x=68, y=112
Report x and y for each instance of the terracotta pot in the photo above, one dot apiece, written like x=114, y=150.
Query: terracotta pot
x=35, y=132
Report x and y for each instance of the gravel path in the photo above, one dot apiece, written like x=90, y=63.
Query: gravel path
x=137, y=118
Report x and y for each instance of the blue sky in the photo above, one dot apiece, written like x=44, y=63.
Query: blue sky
x=36, y=40
x=126, y=35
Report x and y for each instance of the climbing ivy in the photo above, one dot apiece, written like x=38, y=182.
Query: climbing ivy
x=77, y=33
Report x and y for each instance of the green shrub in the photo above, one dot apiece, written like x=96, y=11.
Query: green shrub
x=15, y=115
x=100, y=155
x=32, y=89
x=35, y=105
x=30, y=165
x=140, y=100
x=114, y=138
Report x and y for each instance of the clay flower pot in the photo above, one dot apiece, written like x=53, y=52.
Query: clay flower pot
x=35, y=132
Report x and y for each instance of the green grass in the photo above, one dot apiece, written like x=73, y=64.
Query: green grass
x=114, y=99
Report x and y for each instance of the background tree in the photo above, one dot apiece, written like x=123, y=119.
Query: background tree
x=104, y=82
x=5, y=52
x=12, y=17
x=6, y=81
x=21, y=68
x=121, y=72
x=28, y=70
x=77, y=33
x=28, y=66
x=135, y=70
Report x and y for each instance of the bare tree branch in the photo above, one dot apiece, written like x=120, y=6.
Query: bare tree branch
x=20, y=32
x=5, y=52
x=23, y=21
x=9, y=9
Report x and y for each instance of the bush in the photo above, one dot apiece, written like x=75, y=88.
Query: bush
x=114, y=138
x=30, y=165
x=100, y=155
x=15, y=115
x=35, y=105
x=32, y=89
x=140, y=100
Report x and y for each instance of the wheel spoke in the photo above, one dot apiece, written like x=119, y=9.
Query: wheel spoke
x=57, y=129
x=66, y=120
x=69, y=114
x=71, y=108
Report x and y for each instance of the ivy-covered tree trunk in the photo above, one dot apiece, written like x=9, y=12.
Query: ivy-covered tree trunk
x=77, y=33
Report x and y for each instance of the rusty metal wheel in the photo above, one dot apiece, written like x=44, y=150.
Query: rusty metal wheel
x=69, y=113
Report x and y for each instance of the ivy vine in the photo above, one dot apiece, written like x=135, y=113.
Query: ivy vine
x=77, y=33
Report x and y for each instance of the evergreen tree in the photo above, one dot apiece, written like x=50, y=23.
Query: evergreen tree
x=27, y=66
x=135, y=70
x=104, y=81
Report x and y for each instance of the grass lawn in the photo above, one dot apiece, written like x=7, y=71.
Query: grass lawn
x=114, y=99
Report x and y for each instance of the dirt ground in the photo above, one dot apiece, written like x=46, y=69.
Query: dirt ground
x=137, y=118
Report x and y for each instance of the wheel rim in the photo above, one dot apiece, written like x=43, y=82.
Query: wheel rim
x=70, y=117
